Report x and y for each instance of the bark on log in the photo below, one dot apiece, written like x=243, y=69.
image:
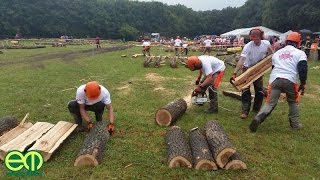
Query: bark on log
x=169, y=114
x=201, y=154
x=92, y=149
x=236, y=163
x=219, y=144
x=7, y=123
x=178, y=152
x=253, y=73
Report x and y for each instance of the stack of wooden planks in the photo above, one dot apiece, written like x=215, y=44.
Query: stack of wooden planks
x=41, y=136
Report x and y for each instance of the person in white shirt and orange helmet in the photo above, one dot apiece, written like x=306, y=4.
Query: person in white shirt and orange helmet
x=213, y=69
x=289, y=64
x=91, y=97
x=252, y=53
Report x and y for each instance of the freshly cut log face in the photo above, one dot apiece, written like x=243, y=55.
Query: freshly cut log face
x=93, y=147
x=13, y=133
x=201, y=154
x=7, y=123
x=169, y=114
x=219, y=143
x=178, y=152
x=253, y=73
x=235, y=163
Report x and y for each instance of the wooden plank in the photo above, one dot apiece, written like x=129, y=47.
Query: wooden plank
x=13, y=133
x=49, y=142
x=25, y=139
x=253, y=73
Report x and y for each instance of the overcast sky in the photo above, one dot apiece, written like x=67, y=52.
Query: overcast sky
x=204, y=4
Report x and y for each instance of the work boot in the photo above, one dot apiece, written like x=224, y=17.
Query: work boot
x=254, y=125
x=295, y=124
x=244, y=115
x=80, y=128
x=213, y=96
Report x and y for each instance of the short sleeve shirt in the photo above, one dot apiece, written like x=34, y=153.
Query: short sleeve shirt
x=211, y=64
x=254, y=53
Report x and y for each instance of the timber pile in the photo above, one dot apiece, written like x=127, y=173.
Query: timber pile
x=169, y=113
x=202, y=156
x=93, y=147
x=235, y=162
x=178, y=152
x=46, y=137
x=253, y=73
x=222, y=149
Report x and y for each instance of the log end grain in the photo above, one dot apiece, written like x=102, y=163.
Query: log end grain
x=179, y=161
x=163, y=117
x=86, y=160
x=236, y=165
x=224, y=156
x=206, y=165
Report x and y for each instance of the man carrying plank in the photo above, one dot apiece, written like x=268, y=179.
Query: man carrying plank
x=91, y=97
x=289, y=64
x=213, y=68
x=252, y=53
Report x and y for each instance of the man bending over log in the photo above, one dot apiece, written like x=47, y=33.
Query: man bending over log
x=213, y=68
x=251, y=54
x=91, y=97
x=289, y=64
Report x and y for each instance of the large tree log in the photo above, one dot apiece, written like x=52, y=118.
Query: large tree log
x=7, y=123
x=235, y=162
x=219, y=144
x=92, y=149
x=169, y=114
x=253, y=73
x=201, y=154
x=178, y=152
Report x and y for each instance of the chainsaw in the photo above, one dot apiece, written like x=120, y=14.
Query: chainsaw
x=199, y=98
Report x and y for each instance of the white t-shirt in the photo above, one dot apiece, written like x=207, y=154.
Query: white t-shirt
x=146, y=43
x=82, y=98
x=285, y=62
x=254, y=53
x=177, y=42
x=185, y=45
x=207, y=43
x=211, y=64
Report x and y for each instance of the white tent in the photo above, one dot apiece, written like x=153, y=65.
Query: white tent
x=284, y=36
x=245, y=32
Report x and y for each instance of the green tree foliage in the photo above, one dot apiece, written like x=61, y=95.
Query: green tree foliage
x=126, y=18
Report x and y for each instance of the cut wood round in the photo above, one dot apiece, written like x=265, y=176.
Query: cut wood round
x=219, y=144
x=235, y=163
x=169, y=114
x=146, y=64
x=173, y=64
x=7, y=123
x=201, y=154
x=92, y=149
x=178, y=152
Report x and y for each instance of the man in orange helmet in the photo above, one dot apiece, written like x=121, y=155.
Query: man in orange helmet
x=288, y=65
x=213, y=68
x=91, y=97
x=252, y=53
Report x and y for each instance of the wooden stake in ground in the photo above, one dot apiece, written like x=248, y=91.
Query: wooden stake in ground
x=169, y=114
x=50, y=142
x=201, y=154
x=235, y=162
x=219, y=143
x=178, y=152
x=253, y=73
x=92, y=149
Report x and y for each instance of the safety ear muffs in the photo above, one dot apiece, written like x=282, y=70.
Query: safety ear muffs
x=198, y=66
x=261, y=33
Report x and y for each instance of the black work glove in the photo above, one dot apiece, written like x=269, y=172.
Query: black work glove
x=233, y=77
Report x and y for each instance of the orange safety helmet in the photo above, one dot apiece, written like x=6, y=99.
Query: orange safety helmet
x=192, y=62
x=256, y=33
x=294, y=36
x=92, y=90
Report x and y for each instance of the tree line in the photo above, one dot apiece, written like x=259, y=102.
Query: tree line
x=128, y=19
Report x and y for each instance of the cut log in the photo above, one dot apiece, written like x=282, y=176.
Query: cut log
x=50, y=142
x=235, y=162
x=169, y=114
x=253, y=73
x=201, y=154
x=93, y=147
x=219, y=144
x=178, y=152
x=26, y=139
x=13, y=133
x=236, y=95
x=7, y=123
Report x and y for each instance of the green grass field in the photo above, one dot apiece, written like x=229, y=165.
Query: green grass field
x=137, y=150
